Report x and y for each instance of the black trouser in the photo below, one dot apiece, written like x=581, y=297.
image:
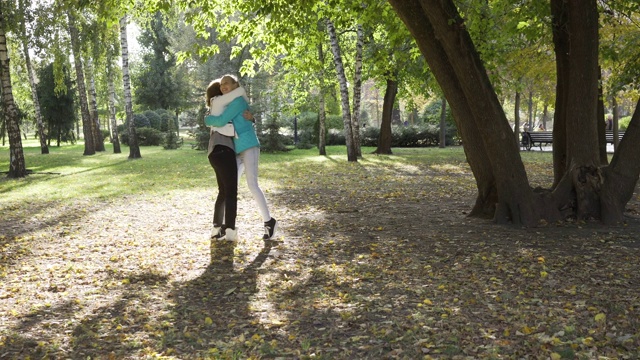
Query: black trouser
x=223, y=161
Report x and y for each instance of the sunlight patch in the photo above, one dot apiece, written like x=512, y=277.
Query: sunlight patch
x=449, y=168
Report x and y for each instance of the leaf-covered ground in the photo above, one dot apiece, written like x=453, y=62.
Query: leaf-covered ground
x=376, y=262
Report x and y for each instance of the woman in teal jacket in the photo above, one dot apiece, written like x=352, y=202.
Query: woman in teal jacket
x=231, y=107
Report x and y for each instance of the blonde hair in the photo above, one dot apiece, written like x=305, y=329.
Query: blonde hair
x=231, y=77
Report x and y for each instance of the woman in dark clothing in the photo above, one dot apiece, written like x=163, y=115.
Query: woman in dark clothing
x=222, y=157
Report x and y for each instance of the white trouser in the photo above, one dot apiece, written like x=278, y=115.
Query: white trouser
x=248, y=162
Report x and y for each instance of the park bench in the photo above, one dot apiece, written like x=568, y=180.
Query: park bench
x=609, y=136
x=531, y=138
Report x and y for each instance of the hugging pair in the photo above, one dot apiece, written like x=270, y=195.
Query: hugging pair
x=233, y=148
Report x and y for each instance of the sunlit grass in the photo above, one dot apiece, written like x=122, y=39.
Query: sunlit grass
x=66, y=174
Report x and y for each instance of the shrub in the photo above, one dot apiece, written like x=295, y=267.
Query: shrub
x=201, y=134
x=623, y=123
x=155, y=121
x=140, y=121
x=106, y=134
x=146, y=137
x=271, y=140
x=168, y=120
x=172, y=141
x=410, y=136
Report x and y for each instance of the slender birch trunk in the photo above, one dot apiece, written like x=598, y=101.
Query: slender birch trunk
x=134, y=149
x=352, y=154
x=44, y=149
x=87, y=124
x=93, y=108
x=357, y=92
x=112, y=111
x=322, y=115
x=17, y=166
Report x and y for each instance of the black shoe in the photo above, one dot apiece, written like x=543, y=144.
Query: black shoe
x=269, y=229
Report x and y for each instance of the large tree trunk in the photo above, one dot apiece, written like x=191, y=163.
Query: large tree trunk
x=580, y=112
x=352, y=153
x=93, y=109
x=112, y=111
x=385, y=137
x=562, y=50
x=17, y=166
x=621, y=176
x=357, y=92
x=322, y=115
x=489, y=143
x=44, y=149
x=87, y=124
x=134, y=149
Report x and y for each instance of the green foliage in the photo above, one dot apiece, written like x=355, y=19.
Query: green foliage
x=140, y=121
x=432, y=112
x=172, y=141
x=146, y=137
x=271, y=140
x=157, y=85
x=411, y=136
x=168, y=120
x=57, y=107
x=155, y=121
x=623, y=123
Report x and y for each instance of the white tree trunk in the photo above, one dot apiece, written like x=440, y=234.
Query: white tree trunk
x=44, y=149
x=322, y=115
x=17, y=167
x=357, y=92
x=87, y=124
x=112, y=111
x=93, y=108
x=134, y=149
x=352, y=154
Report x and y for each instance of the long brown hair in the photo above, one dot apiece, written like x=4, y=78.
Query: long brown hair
x=213, y=90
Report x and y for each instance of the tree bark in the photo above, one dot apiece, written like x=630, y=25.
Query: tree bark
x=443, y=123
x=562, y=50
x=44, y=149
x=352, y=154
x=385, y=137
x=579, y=126
x=489, y=143
x=601, y=124
x=621, y=176
x=615, y=128
x=87, y=124
x=93, y=109
x=322, y=115
x=516, y=116
x=17, y=166
x=357, y=92
x=112, y=112
x=134, y=149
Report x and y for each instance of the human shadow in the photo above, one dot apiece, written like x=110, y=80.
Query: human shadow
x=216, y=304
x=110, y=331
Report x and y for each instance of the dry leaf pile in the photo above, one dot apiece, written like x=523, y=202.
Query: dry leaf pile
x=374, y=263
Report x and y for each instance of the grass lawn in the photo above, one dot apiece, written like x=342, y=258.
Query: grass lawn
x=105, y=257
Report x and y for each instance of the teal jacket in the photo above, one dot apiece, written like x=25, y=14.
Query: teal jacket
x=246, y=134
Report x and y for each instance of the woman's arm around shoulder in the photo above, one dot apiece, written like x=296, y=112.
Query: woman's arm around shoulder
x=220, y=102
x=235, y=108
